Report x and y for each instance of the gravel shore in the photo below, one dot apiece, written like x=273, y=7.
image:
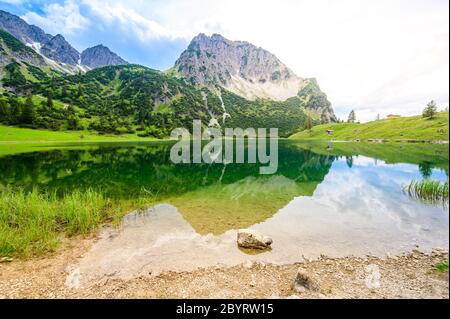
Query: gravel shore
x=409, y=276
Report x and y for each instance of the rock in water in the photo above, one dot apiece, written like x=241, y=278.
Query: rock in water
x=304, y=282
x=247, y=238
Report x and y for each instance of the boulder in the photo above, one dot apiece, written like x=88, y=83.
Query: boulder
x=250, y=239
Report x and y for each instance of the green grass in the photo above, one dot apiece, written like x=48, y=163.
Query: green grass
x=442, y=267
x=9, y=134
x=33, y=223
x=414, y=128
x=428, y=190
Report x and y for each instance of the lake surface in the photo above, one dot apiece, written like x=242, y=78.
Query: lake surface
x=334, y=199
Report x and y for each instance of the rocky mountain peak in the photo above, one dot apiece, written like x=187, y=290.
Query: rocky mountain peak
x=22, y=30
x=249, y=71
x=239, y=66
x=99, y=56
x=58, y=49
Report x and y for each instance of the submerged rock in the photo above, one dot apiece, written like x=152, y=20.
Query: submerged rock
x=304, y=282
x=251, y=239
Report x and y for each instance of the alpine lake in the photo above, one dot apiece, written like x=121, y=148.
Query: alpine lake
x=335, y=199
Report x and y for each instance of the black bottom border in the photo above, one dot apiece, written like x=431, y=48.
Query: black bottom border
x=223, y=308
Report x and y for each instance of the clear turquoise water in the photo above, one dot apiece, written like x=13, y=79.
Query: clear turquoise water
x=338, y=199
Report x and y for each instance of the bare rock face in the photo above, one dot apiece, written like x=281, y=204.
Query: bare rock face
x=250, y=72
x=240, y=67
x=22, y=30
x=99, y=56
x=250, y=239
x=12, y=49
x=58, y=49
x=317, y=101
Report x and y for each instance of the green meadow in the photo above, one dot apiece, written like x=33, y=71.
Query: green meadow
x=406, y=129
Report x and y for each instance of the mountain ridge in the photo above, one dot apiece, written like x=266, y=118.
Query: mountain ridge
x=54, y=48
x=119, y=98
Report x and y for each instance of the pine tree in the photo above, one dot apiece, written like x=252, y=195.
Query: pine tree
x=4, y=110
x=15, y=112
x=64, y=91
x=351, y=117
x=80, y=90
x=49, y=99
x=70, y=110
x=430, y=111
x=73, y=122
x=29, y=112
x=309, y=124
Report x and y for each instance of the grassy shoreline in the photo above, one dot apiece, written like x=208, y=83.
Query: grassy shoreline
x=32, y=223
x=17, y=135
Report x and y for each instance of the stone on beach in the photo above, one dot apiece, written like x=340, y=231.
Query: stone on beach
x=251, y=239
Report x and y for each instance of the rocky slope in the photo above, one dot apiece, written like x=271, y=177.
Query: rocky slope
x=58, y=49
x=100, y=56
x=240, y=67
x=250, y=72
x=22, y=30
x=12, y=49
x=315, y=100
x=59, y=53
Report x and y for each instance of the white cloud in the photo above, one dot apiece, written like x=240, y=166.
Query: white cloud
x=128, y=19
x=62, y=18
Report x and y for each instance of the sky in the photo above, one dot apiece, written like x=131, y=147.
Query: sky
x=376, y=57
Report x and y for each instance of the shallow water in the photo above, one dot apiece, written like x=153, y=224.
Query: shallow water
x=333, y=199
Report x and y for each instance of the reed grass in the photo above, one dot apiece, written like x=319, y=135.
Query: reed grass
x=34, y=222
x=428, y=190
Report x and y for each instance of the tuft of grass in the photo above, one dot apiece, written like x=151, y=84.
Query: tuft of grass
x=33, y=222
x=428, y=190
x=442, y=267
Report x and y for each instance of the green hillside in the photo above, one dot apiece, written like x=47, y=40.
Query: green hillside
x=414, y=128
x=133, y=99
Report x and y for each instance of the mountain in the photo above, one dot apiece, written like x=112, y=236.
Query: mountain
x=240, y=67
x=223, y=83
x=250, y=72
x=11, y=49
x=100, y=56
x=316, y=101
x=59, y=54
x=22, y=30
x=58, y=49
x=129, y=98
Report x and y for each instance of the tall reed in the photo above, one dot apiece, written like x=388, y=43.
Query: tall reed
x=428, y=190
